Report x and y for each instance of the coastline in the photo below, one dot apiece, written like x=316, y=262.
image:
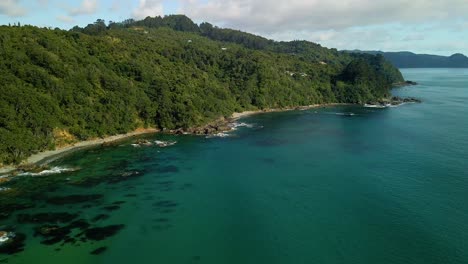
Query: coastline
x=238, y=115
x=44, y=157
x=48, y=155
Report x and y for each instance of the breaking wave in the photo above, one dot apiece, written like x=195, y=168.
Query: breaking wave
x=236, y=125
x=346, y=114
x=219, y=135
x=53, y=170
x=377, y=106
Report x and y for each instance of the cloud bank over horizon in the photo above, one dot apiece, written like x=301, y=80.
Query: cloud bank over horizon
x=421, y=26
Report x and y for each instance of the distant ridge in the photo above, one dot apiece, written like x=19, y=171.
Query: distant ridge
x=406, y=59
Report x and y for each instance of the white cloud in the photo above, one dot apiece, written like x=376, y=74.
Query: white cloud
x=11, y=8
x=414, y=37
x=148, y=8
x=66, y=19
x=344, y=24
x=116, y=6
x=272, y=15
x=353, y=38
x=87, y=7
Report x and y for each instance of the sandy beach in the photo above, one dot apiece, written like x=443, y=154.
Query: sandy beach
x=48, y=155
x=271, y=110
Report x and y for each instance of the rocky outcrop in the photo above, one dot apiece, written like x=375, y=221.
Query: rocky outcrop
x=405, y=83
x=11, y=243
x=218, y=126
x=395, y=100
x=399, y=100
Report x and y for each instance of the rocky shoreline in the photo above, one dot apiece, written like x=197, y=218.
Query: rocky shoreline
x=38, y=162
x=405, y=83
x=225, y=124
x=392, y=101
x=217, y=126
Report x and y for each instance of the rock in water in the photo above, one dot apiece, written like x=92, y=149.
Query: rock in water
x=12, y=243
x=101, y=233
x=3, y=237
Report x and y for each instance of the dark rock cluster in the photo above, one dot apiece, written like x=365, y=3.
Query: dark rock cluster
x=14, y=244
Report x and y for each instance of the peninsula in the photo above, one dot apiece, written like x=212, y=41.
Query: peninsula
x=61, y=87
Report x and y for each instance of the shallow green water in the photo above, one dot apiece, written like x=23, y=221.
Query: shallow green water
x=382, y=186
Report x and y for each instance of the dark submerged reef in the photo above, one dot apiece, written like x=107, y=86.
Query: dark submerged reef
x=59, y=218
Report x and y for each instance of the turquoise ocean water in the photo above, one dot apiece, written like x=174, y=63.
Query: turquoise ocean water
x=315, y=186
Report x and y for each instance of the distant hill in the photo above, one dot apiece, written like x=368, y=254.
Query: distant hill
x=405, y=59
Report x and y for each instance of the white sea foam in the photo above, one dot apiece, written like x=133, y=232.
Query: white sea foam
x=234, y=126
x=53, y=170
x=400, y=104
x=375, y=106
x=242, y=124
x=346, y=114
x=221, y=135
x=384, y=106
x=2, y=189
x=4, y=237
x=163, y=144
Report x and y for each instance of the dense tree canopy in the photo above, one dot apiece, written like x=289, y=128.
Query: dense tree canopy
x=163, y=72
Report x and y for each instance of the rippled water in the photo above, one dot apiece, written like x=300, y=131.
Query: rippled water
x=316, y=186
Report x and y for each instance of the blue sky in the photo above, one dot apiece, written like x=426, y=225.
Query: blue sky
x=421, y=26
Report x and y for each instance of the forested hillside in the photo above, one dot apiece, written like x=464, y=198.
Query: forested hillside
x=61, y=86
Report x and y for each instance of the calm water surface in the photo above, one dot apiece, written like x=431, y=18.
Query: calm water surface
x=316, y=186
